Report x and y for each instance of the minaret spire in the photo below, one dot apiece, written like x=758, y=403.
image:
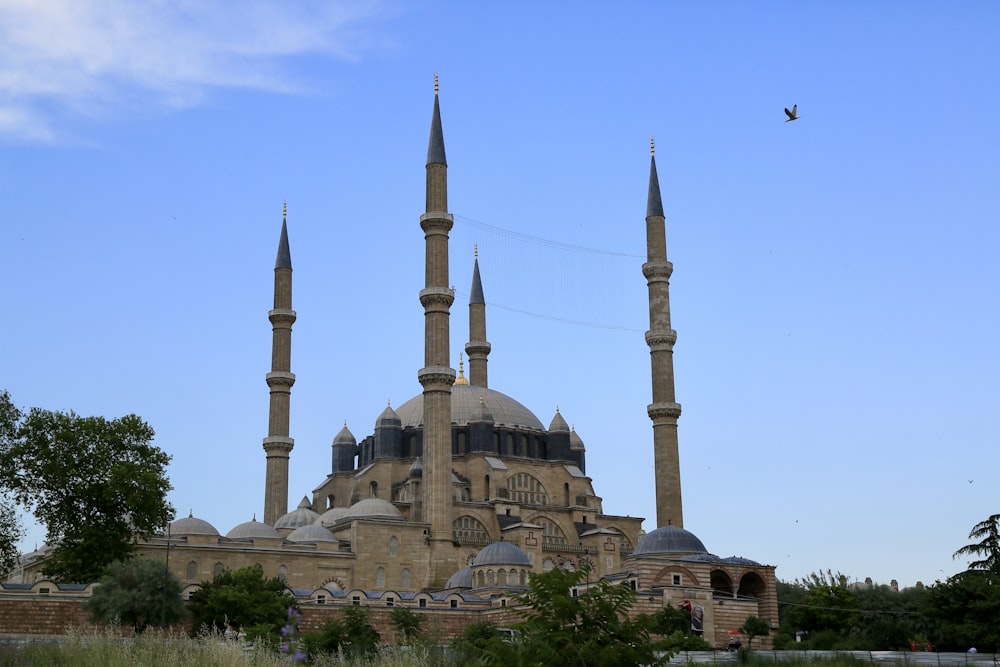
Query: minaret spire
x=664, y=410
x=437, y=376
x=278, y=444
x=478, y=348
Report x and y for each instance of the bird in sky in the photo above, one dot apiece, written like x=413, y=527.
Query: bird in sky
x=793, y=114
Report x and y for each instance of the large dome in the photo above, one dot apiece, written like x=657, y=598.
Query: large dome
x=670, y=540
x=465, y=406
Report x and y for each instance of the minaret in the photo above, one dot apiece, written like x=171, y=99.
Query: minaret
x=660, y=338
x=437, y=376
x=477, y=348
x=277, y=444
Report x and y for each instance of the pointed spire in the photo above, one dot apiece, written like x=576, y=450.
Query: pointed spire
x=284, y=260
x=654, y=206
x=435, y=148
x=476, y=296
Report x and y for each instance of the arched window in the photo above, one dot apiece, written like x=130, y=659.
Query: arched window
x=552, y=535
x=525, y=489
x=404, y=579
x=393, y=545
x=468, y=530
x=217, y=569
x=192, y=570
x=380, y=577
x=481, y=578
x=373, y=489
x=283, y=573
x=490, y=578
x=329, y=501
x=547, y=565
x=502, y=577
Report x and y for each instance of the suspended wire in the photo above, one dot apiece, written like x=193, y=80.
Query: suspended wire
x=537, y=240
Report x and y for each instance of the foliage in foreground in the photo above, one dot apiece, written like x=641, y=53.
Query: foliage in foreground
x=242, y=598
x=138, y=592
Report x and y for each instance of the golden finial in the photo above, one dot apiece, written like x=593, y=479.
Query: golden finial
x=435, y=83
x=461, y=371
x=284, y=210
x=652, y=145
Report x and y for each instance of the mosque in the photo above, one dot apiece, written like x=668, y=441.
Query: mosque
x=461, y=492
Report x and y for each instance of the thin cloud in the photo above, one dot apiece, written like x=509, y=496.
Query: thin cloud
x=99, y=58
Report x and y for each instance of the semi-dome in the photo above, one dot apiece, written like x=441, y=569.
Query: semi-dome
x=465, y=407
x=461, y=579
x=298, y=517
x=311, y=533
x=331, y=516
x=373, y=508
x=501, y=553
x=192, y=525
x=252, y=529
x=669, y=540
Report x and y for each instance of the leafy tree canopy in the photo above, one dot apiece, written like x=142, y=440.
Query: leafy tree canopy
x=138, y=592
x=95, y=484
x=754, y=627
x=244, y=598
x=352, y=635
x=988, y=546
x=11, y=529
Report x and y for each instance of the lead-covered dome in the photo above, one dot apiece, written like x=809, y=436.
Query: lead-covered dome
x=669, y=540
x=311, y=533
x=303, y=515
x=465, y=407
x=253, y=529
x=501, y=553
x=331, y=516
x=461, y=579
x=192, y=525
x=373, y=508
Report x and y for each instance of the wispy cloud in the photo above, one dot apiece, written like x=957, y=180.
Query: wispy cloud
x=97, y=58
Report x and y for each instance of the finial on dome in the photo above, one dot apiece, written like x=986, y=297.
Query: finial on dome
x=254, y=517
x=345, y=423
x=435, y=83
x=461, y=371
x=652, y=145
x=191, y=514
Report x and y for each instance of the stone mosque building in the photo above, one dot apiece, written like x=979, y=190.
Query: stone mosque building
x=461, y=492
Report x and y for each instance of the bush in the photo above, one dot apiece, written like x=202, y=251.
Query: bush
x=138, y=592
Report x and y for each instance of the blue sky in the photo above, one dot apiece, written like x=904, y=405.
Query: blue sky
x=834, y=291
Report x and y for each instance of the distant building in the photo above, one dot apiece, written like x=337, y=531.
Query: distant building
x=459, y=493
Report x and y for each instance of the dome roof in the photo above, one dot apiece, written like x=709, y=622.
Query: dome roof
x=669, y=540
x=739, y=560
x=416, y=468
x=192, y=525
x=251, y=530
x=501, y=553
x=465, y=407
x=461, y=579
x=373, y=508
x=300, y=516
x=331, y=516
x=311, y=533
x=387, y=418
x=575, y=441
x=344, y=437
x=558, y=424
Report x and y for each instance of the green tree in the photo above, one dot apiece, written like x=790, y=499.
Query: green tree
x=988, y=546
x=965, y=610
x=674, y=625
x=352, y=635
x=242, y=598
x=95, y=484
x=11, y=529
x=831, y=608
x=407, y=624
x=138, y=592
x=754, y=627
x=593, y=627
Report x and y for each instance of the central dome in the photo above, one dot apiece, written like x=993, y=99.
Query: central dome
x=465, y=407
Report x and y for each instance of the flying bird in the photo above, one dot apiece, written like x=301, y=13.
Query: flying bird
x=793, y=114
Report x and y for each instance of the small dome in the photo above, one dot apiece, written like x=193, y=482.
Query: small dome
x=558, y=424
x=575, y=442
x=345, y=437
x=416, y=468
x=461, y=579
x=252, y=530
x=669, y=540
x=191, y=525
x=331, y=516
x=311, y=533
x=501, y=553
x=388, y=418
x=373, y=508
x=300, y=516
x=739, y=560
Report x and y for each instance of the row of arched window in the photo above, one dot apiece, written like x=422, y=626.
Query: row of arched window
x=191, y=571
x=404, y=578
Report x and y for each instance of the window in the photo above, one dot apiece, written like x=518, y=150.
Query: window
x=454, y=604
x=380, y=577
x=468, y=530
x=373, y=489
x=404, y=579
x=393, y=545
x=502, y=577
x=320, y=599
x=552, y=535
x=356, y=600
x=422, y=603
x=283, y=573
x=503, y=602
x=192, y=570
x=677, y=580
x=525, y=489
x=217, y=569
x=389, y=602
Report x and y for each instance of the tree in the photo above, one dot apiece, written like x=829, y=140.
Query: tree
x=95, y=484
x=351, y=635
x=11, y=529
x=244, y=598
x=407, y=623
x=965, y=609
x=138, y=592
x=754, y=627
x=593, y=627
x=988, y=546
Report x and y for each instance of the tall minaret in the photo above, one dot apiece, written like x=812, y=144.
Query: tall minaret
x=478, y=348
x=664, y=410
x=277, y=444
x=437, y=376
